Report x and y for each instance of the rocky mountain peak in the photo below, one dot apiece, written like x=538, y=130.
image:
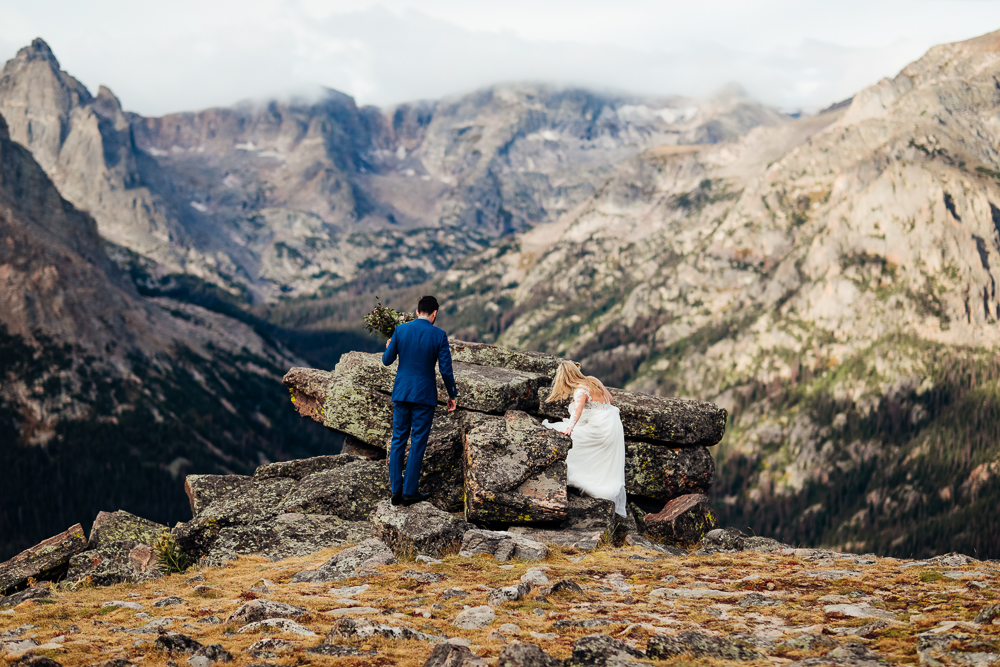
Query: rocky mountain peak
x=106, y=103
x=38, y=50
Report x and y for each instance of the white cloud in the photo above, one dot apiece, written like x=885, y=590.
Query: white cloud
x=189, y=55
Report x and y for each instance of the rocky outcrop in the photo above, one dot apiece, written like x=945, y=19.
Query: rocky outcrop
x=515, y=471
x=684, y=521
x=115, y=562
x=283, y=510
x=509, y=470
x=417, y=529
x=47, y=560
x=675, y=422
x=115, y=526
x=353, y=562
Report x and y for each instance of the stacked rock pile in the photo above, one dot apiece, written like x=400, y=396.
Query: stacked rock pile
x=491, y=460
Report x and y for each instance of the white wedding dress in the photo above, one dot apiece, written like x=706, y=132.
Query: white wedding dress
x=596, y=462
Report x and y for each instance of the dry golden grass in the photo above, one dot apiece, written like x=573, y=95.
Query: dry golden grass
x=633, y=615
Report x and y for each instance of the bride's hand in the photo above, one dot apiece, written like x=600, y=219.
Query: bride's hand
x=567, y=431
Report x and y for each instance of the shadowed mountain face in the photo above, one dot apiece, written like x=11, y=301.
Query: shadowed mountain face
x=832, y=282
x=305, y=197
x=107, y=397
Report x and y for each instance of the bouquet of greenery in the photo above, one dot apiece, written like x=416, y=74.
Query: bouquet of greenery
x=385, y=320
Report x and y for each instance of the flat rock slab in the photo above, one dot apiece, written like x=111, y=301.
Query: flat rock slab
x=350, y=490
x=352, y=562
x=694, y=593
x=502, y=545
x=417, y=529
x=604, y=650
x=261, y=610
x=482, y=354
x=48, y=559
x=515, y=471
x=299, y=469
x=287, y=535
x=277, y=624
x=655, y=474
x=475, y=617
x=480, y=388
x=857, y=611
x=337, y=403
x=675, y=422
x=832, y=574
x=587, y=540
x=116, y=526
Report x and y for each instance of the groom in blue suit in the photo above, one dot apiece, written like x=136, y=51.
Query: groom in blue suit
x=418, y=345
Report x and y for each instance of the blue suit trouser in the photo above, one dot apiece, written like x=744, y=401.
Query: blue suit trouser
x=408, y=419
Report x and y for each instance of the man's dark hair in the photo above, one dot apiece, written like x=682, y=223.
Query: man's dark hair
x=427, y=305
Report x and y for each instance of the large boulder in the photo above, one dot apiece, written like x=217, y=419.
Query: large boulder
x=340, y=405
x=203, y=490
x=480, y=388
x=299, y=469
x=356, y=561
x=588, y=522
x=515, y=471
x=287, y=535
x=47, y=560
x=654, y=474
x=684, y=520
x=417, y=529
x=116, y=526
x=111, y=563
x=349, y=490
x=676, y=422
x=482, y=354
x=604, y=650
x=502, y=545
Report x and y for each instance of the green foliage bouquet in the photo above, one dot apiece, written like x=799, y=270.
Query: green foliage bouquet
x=385, y=320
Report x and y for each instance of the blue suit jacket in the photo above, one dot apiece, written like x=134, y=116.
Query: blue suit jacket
x=419, y=345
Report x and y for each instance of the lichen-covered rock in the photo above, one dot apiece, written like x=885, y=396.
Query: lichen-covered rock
x=107, y=565
x=286, y=536
x=603, y=650
x=453, y=655
x=120, y=525
x=203, y=490
x=474, y=617
x=645, y=543
x=175, y=642
x=729, y=540
x=684, y=520
x=34, y=593
x=502, y=545
x=417, y=529
x=334, y=401
x=299, y=469
x=663, y=647
x=47, y=560
x=350, y=490
x=526, y=655
x=500, y=357
x=352, y=562
x=654, y=474
x=588, y=522
x=515, y=471
x=498, y=596
x=261, y=610
x=675, y=422
x=248, y=503
x=480, y=388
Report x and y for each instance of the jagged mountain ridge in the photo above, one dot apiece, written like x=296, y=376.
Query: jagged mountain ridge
x=107, y=397
x=295, y=198
x=832, y=282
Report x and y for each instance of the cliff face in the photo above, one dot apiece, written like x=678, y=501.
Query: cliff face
x=312, y=196
x=832, y=282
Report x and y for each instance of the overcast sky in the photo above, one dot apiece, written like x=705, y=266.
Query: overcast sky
x=185, y=54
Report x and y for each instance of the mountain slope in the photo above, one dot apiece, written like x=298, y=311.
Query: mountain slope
x=106, y=397
x=290, y=199
x=832, y=282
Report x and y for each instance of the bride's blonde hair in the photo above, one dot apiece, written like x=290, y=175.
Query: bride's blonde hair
x=569, y=378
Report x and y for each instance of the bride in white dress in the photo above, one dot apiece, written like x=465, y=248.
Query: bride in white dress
x=596, y=462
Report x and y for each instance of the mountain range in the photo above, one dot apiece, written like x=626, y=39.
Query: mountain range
x=827, y=279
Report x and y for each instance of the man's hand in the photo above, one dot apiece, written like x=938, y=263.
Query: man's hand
x=452, y=404
x=387, y=343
